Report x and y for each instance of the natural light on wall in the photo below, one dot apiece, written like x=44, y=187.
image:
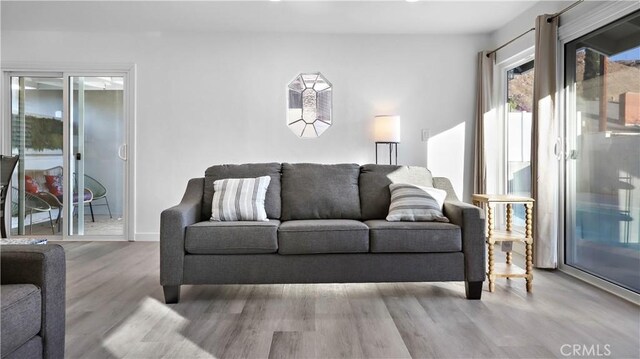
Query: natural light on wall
x=445, y=153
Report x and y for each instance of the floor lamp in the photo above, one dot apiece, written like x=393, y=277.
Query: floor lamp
x=387, y=132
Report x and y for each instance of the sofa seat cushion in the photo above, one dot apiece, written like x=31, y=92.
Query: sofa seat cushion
x=323, y=236
x=21, y=314
x=232, y=237
x=414, y=237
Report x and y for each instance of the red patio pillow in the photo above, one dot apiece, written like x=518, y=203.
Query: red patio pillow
x=31, y=185
x=54, y=185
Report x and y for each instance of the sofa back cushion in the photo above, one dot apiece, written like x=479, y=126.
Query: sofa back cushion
x=250, y=170
x=315, y=191
x=375, y=196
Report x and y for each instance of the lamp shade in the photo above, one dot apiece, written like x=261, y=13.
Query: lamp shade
x=386, y=128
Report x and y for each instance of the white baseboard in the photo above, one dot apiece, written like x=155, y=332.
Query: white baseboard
x=147, y=237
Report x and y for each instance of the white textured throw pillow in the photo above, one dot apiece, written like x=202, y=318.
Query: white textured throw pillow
x=413, y=203
x=239, y=199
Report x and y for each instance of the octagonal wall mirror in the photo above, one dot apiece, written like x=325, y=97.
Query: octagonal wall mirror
x=309, y=105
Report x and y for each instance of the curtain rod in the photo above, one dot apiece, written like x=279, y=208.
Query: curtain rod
x=509, y=42
x=550, y=18
x=533, y=28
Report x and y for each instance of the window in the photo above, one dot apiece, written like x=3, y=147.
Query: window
x=519, y=104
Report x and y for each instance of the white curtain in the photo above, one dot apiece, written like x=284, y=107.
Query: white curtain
x=544, y=133
x=484, y=109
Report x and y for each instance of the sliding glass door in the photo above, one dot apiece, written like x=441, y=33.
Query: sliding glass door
x=97, y=161
x=70, y=134
x=603, y=159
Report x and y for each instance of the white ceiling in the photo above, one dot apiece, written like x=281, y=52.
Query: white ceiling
x=339, y=17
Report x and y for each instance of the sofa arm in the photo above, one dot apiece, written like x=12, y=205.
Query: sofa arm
x=45, y=267
x=471, y=220
x=173, y=224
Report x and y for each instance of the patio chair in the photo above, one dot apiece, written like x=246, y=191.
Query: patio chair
x=55, y=199
x=32, y=203
x=99, y=192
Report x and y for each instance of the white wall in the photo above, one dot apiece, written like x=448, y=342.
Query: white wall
x=211, y=98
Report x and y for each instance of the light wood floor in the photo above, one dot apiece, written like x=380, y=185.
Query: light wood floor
x=115, y=310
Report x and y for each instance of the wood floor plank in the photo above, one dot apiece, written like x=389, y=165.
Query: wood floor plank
x=115, y=309
x=377, y=332
x=336, y=332
x=298, y=302
x=412, y=322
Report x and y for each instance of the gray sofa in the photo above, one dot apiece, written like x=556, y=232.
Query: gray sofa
x=326, y=225
x=33, y=301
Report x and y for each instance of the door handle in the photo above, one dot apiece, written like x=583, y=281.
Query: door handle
x=556, y=149
x=122, y=152
x=78, y=156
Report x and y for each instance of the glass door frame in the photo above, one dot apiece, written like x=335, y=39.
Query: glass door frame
x=69, y=157
x=580, y=26
x=127, y=71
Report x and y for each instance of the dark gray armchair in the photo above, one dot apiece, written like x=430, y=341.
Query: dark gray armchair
x=33, y=301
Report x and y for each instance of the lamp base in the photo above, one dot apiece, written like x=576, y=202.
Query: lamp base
x=393, y=148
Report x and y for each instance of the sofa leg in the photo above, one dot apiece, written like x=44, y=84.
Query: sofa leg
x=473, y=289
x=171, y=293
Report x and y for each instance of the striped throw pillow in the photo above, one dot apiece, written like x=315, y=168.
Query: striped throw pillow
x=239, y=199
x=413, y=203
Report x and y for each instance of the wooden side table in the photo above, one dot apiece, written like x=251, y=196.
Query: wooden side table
x=508, y=234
